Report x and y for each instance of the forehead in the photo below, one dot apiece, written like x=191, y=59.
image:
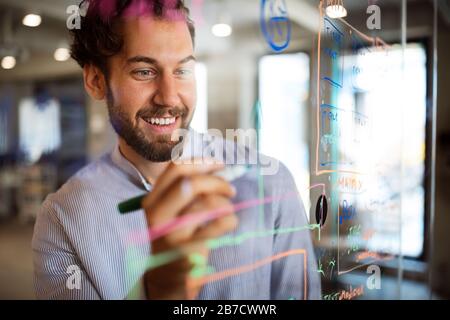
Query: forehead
x=159, y=38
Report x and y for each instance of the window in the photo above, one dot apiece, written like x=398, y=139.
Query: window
x=284, y=92
x=382, y=97
x=200, y=119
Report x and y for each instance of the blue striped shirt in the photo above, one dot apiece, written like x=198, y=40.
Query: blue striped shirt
x=83, y=248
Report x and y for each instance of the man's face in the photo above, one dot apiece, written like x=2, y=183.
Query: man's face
x=151, y=85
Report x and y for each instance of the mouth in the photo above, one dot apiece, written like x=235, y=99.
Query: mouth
x=161, y=124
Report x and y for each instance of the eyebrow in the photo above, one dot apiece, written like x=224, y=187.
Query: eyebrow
x=150, y=60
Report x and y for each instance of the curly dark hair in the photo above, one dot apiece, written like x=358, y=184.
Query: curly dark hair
x=99, y=36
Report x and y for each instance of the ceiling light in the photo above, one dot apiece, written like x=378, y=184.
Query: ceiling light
x=8, y=62
x=222, y=30
x=335, y=9
x=32, y=20
x=62, y=54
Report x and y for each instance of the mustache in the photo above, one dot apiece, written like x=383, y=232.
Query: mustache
x=160, y=111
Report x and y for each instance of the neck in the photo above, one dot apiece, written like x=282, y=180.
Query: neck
x=150, y=170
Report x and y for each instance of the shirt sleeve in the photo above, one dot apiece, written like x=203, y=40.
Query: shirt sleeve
x=295, y=276
x=58, y=273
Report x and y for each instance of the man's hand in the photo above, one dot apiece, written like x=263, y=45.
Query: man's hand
x=185, y=189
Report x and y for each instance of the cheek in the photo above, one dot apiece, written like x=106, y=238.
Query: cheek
x=189, y=95
x=130, y=97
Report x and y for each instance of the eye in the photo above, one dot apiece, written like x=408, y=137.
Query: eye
x=183, y=72
x=144, y=74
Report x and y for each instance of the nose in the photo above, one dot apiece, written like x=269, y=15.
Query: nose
x=167, y=93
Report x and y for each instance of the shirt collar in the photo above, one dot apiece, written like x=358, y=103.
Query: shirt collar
x=129, y=168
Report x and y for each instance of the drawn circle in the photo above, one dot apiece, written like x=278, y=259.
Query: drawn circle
x=321, y=210
x=267, y=26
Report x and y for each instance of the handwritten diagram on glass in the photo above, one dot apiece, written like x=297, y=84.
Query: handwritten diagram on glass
x=275, y=24
x=350, y=70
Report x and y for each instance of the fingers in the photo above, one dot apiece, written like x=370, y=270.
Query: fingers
x=174, y=173
x=185, y=192
x=180, y=191
x=172, y=281
x=216, y=228
x=202, y=207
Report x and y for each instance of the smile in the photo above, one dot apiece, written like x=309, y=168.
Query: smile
x=160, y=121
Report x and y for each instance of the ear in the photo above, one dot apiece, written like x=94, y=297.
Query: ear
x=94, y=82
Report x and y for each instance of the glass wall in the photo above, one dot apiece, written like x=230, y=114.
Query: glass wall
x=342, y=92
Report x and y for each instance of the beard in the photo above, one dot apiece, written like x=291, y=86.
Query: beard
x=155, y=149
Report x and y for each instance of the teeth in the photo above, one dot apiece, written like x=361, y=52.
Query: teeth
x=162, y=121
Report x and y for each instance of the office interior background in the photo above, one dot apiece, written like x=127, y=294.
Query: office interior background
x=50, y=128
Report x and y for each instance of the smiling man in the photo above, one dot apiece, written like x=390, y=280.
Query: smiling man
x=138, y=56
